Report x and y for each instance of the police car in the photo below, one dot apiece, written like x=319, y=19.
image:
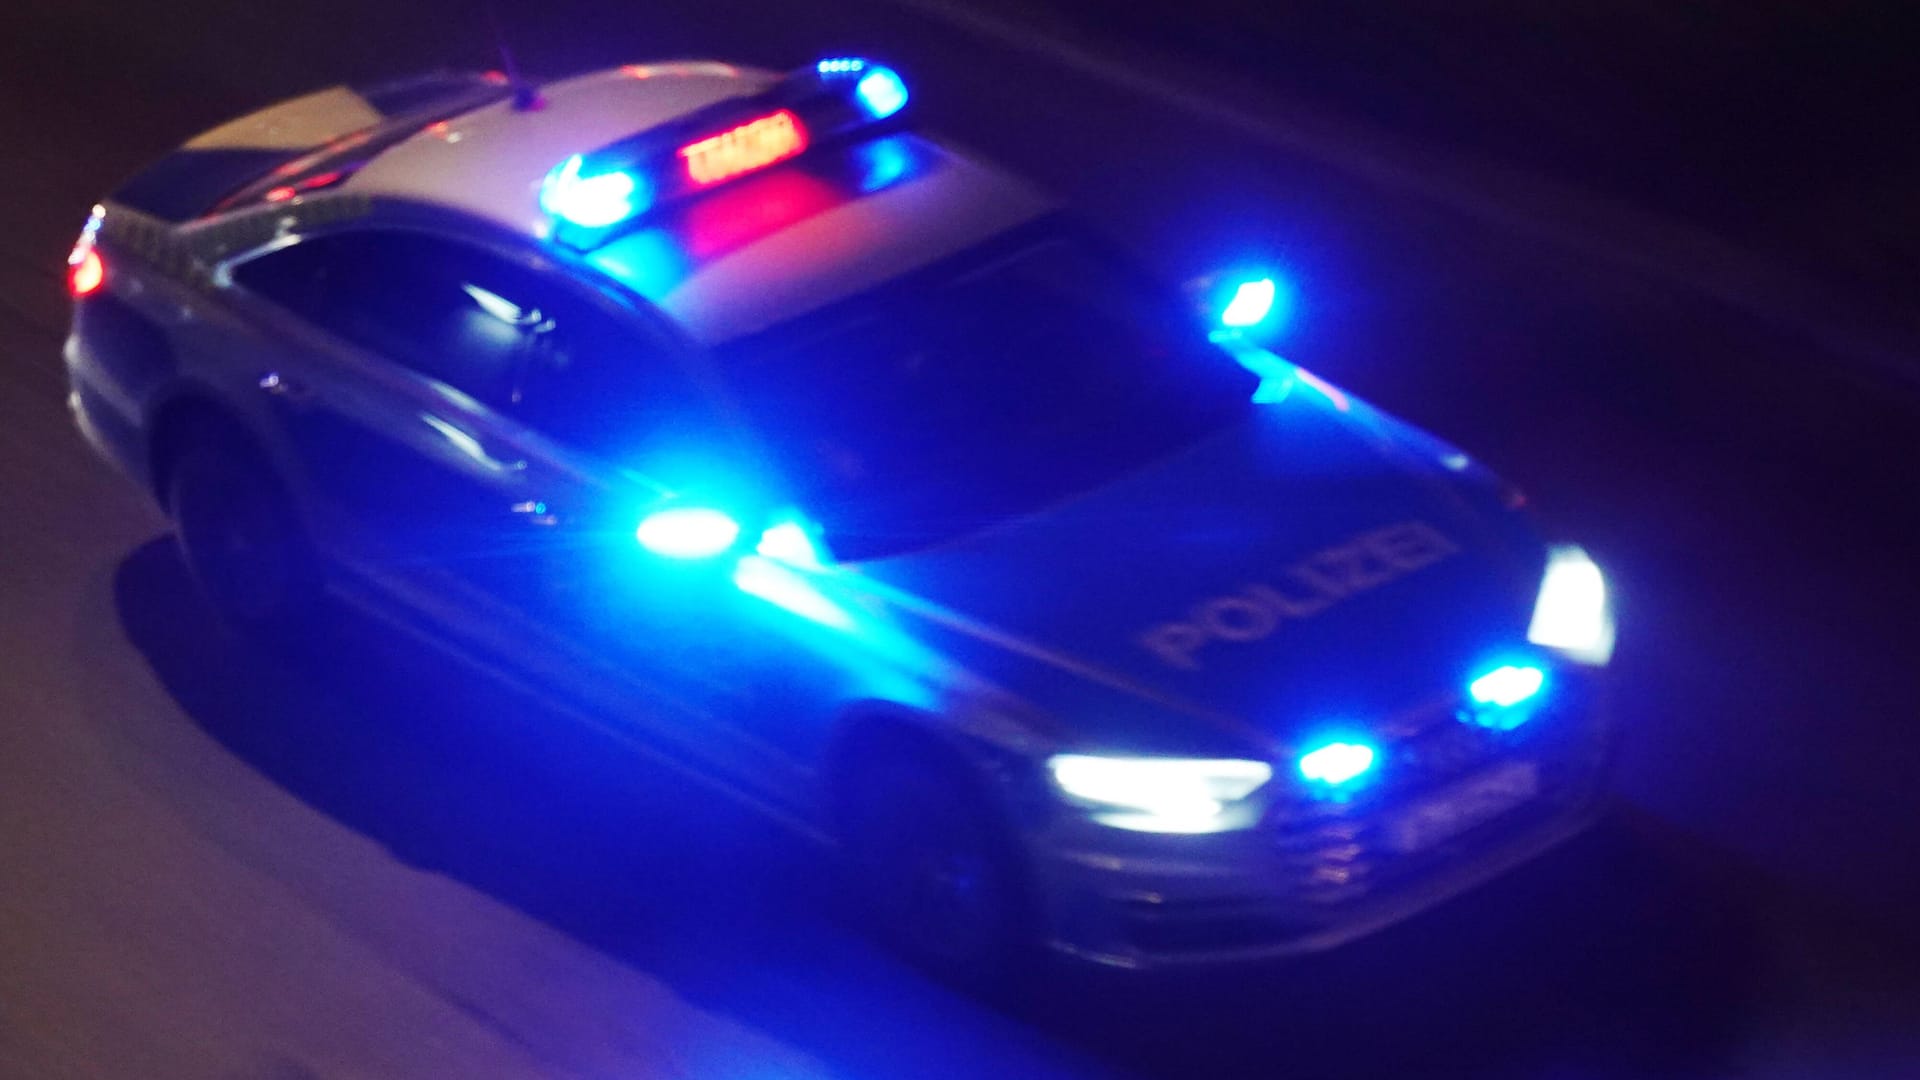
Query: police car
x=842, y=471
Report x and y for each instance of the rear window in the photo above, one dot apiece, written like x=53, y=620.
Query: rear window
x=523, y=340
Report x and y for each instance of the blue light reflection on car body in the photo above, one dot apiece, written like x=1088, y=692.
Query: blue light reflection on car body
x=849, y=622
x=758, y=575
x=886, y=162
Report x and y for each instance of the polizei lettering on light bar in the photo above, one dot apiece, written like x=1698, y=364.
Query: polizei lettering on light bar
x=1299, y=591
x=755, y=144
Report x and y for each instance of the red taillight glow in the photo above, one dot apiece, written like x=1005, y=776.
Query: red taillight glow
x=755, y=144
x=85, y=272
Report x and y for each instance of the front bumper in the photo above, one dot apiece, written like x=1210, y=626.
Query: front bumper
x=1314, y=876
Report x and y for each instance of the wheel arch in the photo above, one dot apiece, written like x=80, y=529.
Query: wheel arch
x=183, y=413
x=871, y=728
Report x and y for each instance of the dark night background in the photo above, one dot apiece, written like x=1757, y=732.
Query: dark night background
x=1652, y=261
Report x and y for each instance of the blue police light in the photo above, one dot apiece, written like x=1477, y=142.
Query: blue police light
x=591, y=202
x=1337, y=763
x=1507, y=685
x=687, y=532
x=840, y=65
x=881, y=92
x=1507, y=696
x=1252, y=302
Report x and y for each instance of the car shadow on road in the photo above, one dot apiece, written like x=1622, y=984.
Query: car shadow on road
x=1610, y=957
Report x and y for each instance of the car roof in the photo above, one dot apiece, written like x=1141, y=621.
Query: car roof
x=774, y=247
x=490, y=162
x=739, y=258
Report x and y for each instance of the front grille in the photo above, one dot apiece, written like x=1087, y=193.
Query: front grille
x=1446, y=749
x=1333, y=852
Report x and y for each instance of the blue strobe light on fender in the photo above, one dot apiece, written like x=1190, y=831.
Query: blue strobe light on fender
x=1251, y=303
x=687, y=532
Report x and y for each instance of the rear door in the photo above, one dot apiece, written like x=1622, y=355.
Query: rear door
x=429, y=386
x=398, y=348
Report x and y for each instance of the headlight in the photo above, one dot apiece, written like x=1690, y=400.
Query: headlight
x=1572, y=613
x=1171, y=795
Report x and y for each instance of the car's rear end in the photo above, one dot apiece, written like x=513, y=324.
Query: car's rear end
x=129, y=275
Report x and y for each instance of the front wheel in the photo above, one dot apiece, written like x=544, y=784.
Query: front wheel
x=239, y=536
x=934, y=867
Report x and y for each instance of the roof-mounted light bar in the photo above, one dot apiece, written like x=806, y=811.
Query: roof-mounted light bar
x=591, y=195
x=744, y=148
x=878, y=89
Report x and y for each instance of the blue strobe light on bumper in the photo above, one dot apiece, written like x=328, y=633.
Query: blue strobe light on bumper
x=1507, y=685
x=1337, y=765
x=1506, y=696
x=687, y=532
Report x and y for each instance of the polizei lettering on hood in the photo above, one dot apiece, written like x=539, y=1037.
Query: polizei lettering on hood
x=1300, y=591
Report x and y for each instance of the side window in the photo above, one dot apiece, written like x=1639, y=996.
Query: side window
x=450, y=311
x=597, y=379
x=533, y=346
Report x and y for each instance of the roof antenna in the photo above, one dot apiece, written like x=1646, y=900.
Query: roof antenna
x=526, y=96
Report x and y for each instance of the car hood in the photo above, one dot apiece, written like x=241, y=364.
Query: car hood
x=1313, y=565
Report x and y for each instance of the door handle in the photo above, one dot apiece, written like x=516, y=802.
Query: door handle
x=469, y=447
x=293, y=391
x=535, y=512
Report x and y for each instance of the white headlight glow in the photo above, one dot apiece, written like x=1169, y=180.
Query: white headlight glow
x=1572, y=612
x=1149, y=794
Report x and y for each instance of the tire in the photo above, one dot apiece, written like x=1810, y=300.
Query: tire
x=934, y=868
x=240, y=538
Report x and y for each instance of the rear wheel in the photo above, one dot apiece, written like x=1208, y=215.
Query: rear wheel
x=239, y=536
x=934, y=866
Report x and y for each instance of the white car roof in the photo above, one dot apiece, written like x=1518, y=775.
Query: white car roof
x=490, y=162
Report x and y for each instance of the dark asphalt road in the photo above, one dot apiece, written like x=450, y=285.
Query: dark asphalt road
x=219, y=863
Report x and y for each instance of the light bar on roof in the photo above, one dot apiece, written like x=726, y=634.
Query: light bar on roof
x=592, y=194
x=756, y=144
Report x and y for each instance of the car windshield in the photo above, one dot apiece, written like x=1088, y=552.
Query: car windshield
x=985, y=387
